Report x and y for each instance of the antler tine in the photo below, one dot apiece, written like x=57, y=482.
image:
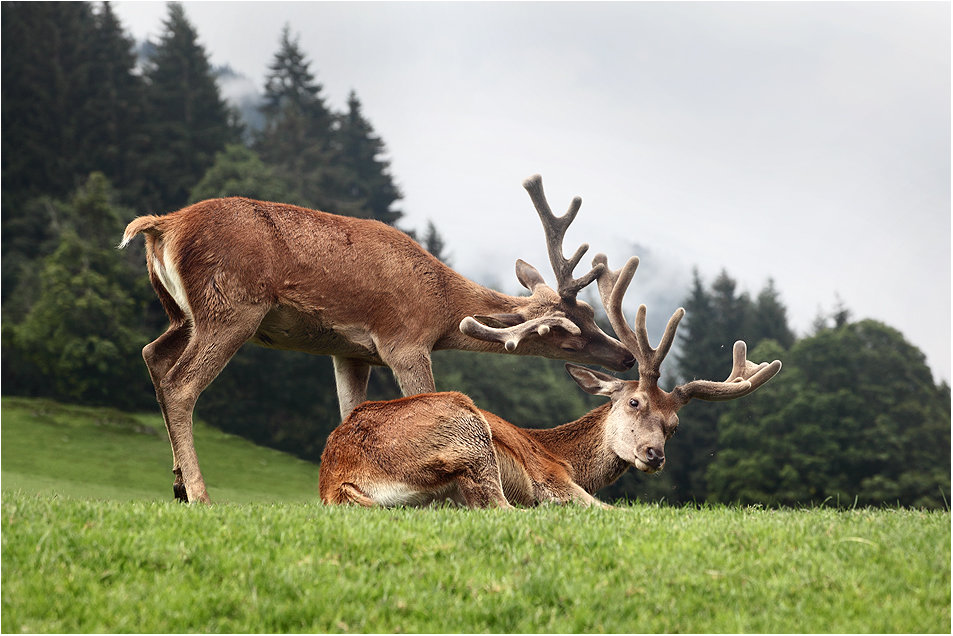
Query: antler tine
x=555, y=229
x=612, y=287
x=650, y=360
x=511, y=336
x=745, y=378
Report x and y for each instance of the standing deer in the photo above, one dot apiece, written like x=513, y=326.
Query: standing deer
x=420, y=449
x=233, y=270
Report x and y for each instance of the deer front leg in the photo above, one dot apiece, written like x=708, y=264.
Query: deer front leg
x=480, y=484
x=351, y=377
x=583, y=498
x=412, y=368
x=568, y=493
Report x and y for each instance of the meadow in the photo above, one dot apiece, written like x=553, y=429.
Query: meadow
x=93, y=543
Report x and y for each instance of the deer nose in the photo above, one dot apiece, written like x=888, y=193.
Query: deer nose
x=655, y=457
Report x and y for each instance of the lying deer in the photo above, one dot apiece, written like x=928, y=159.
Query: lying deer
x=233, y=270
x=426, y=448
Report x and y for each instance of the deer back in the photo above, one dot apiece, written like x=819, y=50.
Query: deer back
x=350, y=270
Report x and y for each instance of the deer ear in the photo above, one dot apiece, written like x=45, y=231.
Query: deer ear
x=501, y=321
x=528, y=276
x=594, y=382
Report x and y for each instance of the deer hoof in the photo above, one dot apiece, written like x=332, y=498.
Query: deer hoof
x=178, y=486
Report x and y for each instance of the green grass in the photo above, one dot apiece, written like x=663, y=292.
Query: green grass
x=87, y=566
x=108, y=554
x=76, y=451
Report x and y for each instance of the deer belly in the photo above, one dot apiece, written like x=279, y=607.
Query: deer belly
x=287, y=328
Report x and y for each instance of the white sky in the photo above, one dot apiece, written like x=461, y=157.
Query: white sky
x=804, y=142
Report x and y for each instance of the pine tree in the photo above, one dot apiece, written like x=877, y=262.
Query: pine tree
x=45, y=76
x=113, y=108
x=72, y=104
x=79, y=338
x=362, y=172
x=296, y=137
x=433, y=242
x=189, y=120
x=769, y=319
x=714, y=320
x=694, y=357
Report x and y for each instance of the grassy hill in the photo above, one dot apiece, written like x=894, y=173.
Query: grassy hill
x=97, y=453
x=109, y=552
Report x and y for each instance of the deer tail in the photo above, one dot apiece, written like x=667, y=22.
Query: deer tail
x=148, y=224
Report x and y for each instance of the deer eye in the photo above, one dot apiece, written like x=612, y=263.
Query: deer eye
x=634, y=403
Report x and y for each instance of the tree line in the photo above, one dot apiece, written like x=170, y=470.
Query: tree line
x=93, y=136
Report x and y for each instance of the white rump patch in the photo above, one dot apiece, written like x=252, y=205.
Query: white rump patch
x=170, y=279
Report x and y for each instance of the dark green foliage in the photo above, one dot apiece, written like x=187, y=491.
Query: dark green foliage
x=188, y=121
x=64, y=66
x=238, y=171
x=854, y=416
x=71, y=105
x=114, y=144
x=715, y=318
x=769, y=319
x=75, y=341
x=529, y=392
x=296, y=138
x=45, y=65
x=362, y=176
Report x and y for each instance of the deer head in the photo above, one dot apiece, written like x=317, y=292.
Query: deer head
x=552, y=322
x=643, y=416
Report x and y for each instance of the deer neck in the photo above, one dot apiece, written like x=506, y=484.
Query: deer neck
x=582, y=444
x=466, y=298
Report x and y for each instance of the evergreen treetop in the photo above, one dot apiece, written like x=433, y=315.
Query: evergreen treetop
x=189, y=120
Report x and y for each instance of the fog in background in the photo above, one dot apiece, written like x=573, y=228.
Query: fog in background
x=804, y=142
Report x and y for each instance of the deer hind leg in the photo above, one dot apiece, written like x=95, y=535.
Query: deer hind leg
x=479, y=481
x=160, y=356
x=481, y=487
x=351, y=377
x=209, y=349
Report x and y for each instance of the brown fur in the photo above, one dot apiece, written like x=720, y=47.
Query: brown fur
x=232, y=270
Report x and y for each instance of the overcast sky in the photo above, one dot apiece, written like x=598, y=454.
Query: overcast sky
x=804, y=142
